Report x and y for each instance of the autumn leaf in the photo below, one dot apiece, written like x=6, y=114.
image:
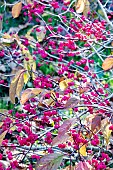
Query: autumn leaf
x=66, y=126
x=96, y=123
x=60, y=139
x=80, y=6
x=41, y=33
x=64, y=84
x=72, y=102
x=16, y=85
x=16, y=9
x=26, y=77
x=105, y=124
x=20, y=85
x=2, y=136
x=29, y=93
x=86, y=8
x=82, y=150
x=108, y=63
x=69, y=168
x=50, y=162
x=29, y=64
x=93, y=121
x=83, y=166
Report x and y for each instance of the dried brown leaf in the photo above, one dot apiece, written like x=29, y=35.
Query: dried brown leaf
x=16, y=9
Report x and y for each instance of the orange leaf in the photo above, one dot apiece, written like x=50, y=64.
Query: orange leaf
x=108, y=63
x=16, y=9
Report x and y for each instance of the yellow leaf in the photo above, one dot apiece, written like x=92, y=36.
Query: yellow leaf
x=7, y=39
x=16, y=9
x=26, y=77
x=64, y=84
x=70, y=167
x=13, y=86
x=108, y=63
x=105, y=124
x=29, y=93
x=29, y=65
x=20, y=85
x=82, y=150
x=49, y=102
x=86, y=8
x=41, y=33
x=29, y=1
x=80, y=6
x=2, y=136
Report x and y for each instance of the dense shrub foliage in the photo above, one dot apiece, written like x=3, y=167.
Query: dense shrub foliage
x=56, y=85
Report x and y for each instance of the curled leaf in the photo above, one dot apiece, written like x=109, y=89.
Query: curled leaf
x=16, y=9
x=108, y=63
